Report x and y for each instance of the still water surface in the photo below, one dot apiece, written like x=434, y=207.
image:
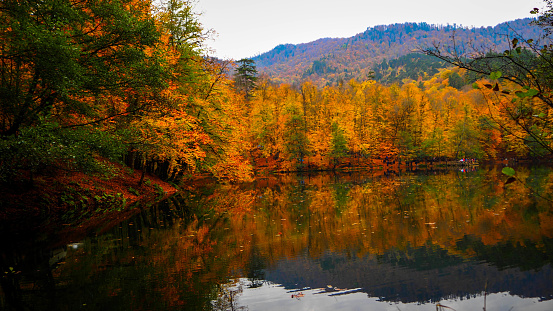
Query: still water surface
x=418, y=241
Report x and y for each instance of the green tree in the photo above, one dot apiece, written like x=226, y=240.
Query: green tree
x=187, y=37
x=245, y=77
x=57, y=57
x=456, y=81
x=338, y=144
x=65, y=68
x=467, y=137
x=296, y=140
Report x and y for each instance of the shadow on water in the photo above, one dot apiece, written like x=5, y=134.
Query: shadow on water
x=410, y=238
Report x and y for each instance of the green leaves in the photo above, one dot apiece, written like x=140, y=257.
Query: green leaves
x=515, y=46
x=508, y=171
x=495, y=75
x=338, y=145
x=64, y=53
x=246, y=76
x=529, y=93
x=47, y=145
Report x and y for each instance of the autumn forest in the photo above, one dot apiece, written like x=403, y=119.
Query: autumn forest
x=408, y=163
x=100, y=87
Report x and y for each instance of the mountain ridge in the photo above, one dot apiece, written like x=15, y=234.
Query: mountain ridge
x=327, y=61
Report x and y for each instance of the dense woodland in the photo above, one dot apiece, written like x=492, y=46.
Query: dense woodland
x=95, y=89
x=425, y=120
x=84, y=84
x=87, y=83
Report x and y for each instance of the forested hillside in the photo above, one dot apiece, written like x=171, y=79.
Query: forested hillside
x=125, y=82
x=330, y=60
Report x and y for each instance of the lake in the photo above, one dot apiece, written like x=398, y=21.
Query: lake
x=427, y=240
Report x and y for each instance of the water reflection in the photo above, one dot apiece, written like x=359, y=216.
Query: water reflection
x=412, y=240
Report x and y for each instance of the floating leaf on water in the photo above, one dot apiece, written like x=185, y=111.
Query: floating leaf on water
x=509, y=171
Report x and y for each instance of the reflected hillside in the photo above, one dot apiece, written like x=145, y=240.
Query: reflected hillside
x=411, y=238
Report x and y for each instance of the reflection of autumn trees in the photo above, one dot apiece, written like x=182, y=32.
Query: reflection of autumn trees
x=375, y=217
x=188, y=244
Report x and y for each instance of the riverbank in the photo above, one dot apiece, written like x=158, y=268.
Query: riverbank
x=64, y=199
x=268, y=165
x=69, y=199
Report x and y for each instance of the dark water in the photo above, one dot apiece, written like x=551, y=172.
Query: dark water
x=417, y=241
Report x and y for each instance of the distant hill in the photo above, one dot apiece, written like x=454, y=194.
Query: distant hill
x=382, y=52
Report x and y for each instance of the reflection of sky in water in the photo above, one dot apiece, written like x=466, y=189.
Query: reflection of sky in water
x=274, y=297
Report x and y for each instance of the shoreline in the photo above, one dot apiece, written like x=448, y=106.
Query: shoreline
x=67, y=201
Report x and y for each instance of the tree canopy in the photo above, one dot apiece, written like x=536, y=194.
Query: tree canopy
x=245, y=76
x=59, y=57
x=88, y=83
x=81, y=81
x=520, y=81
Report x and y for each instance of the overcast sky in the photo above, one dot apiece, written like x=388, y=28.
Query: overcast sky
x=246, y=28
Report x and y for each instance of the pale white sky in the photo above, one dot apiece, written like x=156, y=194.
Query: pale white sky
x=246, y=28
